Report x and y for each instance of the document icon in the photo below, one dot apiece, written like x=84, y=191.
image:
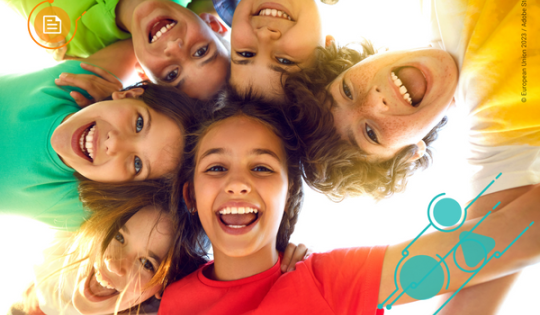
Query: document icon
x=52, y=24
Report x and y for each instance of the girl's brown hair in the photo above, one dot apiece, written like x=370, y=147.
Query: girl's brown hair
x=355, y=176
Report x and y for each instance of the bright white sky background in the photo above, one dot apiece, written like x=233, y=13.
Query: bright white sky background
x=323, y=225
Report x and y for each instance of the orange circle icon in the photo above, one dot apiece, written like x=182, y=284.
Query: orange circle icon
x=52, y=25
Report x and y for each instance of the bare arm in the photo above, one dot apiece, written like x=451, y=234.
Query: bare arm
x=118, y=58
x=503, y=226
x=486, y=297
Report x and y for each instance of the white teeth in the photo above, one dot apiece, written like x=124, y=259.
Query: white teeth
x=86, y=142
x=162, y=31
x=236, y=226
x=402, y=88
x=239, y=210
x=102, y=282
x=275, y=13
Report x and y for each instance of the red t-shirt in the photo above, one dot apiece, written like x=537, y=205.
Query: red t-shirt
x=343, y=281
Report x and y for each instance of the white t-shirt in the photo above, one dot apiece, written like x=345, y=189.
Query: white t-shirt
x=486, y=39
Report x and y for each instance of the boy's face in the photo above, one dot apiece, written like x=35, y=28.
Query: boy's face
x=370, y=110
x=119, y=141
x=246, y=175
x=130, y=262
x=262, y=43
x=188, y=54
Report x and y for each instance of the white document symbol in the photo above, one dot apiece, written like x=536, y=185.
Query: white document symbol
x=52, y=24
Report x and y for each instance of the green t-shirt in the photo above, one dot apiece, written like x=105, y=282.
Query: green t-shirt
x=34, y=181
x=96, y=28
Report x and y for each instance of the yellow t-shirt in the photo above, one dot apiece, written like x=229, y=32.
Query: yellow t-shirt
x=496, y=45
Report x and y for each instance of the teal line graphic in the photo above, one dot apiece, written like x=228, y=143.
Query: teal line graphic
x=476, y=247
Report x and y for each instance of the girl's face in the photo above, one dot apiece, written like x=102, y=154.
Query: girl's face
x=241, y=186
x=188, y=55
x=119, y=141
x=370, y=110
x=263, y=41
x=129, y=264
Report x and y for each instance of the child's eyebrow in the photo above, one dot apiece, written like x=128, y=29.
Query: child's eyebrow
x=352, y=140
x=212, y=151
x=265, y=151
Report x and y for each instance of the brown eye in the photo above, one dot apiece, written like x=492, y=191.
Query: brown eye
x=245, y=54
x=346, y=89
x=201, y=52
x=371, y=134
x=171, y=76
x=147, y=264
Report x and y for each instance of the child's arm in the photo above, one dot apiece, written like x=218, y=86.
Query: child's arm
x=486, y=297
x=503, y=226
x=118, y=59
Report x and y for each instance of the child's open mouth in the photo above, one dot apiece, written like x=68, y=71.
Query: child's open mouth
x=97, y=289
x=159, y=27
x=86, y=141
x=238, y=220
x=411, y=83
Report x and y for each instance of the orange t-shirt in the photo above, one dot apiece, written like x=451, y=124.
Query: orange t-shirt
x=343, y=281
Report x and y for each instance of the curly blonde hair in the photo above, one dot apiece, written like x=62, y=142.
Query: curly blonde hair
x=343, y=170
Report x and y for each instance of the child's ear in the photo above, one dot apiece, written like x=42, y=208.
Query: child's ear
x=131, y=93
x=419, y=152
x=158, y=295
x=329, y=40
x=140, y=72
x=214, y=23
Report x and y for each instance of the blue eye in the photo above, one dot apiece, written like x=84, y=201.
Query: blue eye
x=371, y=134
x=137, y=163
x=285, y=61
x=216, y=168
x=201, y=52
x=245, y=54
x=139, y=124
x=262, y=169
x=147, y=264
x=171, y=76
x=346, y=89
x=119, y=237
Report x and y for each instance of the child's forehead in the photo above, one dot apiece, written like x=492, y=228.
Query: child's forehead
x=253, y=131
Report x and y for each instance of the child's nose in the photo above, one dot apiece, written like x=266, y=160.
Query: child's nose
x=117, y=144
x=174, y=47
x=238, y=186
x=115, y=266
x=266, y=34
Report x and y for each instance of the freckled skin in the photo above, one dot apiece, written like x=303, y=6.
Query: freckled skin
x=376, y=104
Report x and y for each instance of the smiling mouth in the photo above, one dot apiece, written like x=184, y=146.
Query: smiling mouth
x=159, y=28
x=238, y=217
x=98, y=289
x=275, y=13
x=411, y=83
x=86, y=141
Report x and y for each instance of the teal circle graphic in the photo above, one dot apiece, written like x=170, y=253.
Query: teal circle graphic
x=413, y=272
x=447, y=212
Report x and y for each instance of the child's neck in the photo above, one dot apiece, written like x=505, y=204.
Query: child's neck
x=124, y=13
x=228, y=268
